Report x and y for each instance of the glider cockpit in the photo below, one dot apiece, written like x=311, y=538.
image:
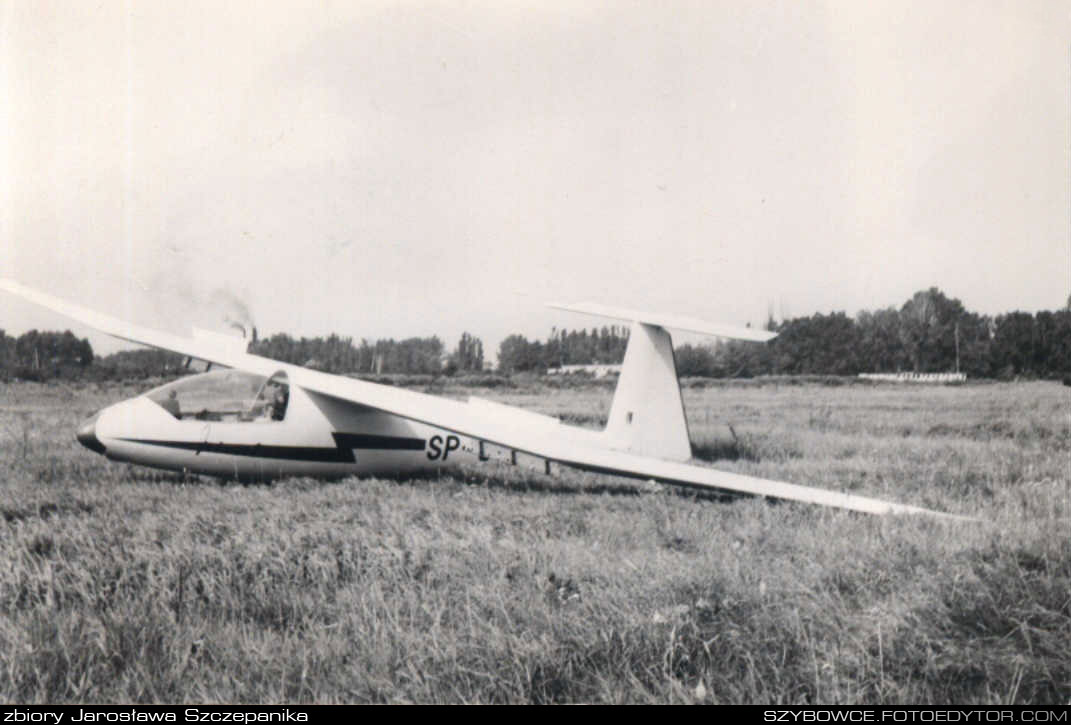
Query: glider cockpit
x=233, y=396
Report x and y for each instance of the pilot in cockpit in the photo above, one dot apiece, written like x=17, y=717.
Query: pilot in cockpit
x=278, y=396
x=171, y=404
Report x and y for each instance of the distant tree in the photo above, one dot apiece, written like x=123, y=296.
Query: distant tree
x=1046, y=343
x=880, y=349
x=469, y=354
x=573, y=347
x=928, y=330
x=414, y=355
x=817, y=345
x=1014, y=343
x=1059, y=345
x=339, y=355
x=736, y=359
x=279, y=346
x=1036, y=345
x=517, y=354
x=7, y=356
x=84, y=352
x=43, y=355
x=695, y=361
x=137, y=364
x=975, y=345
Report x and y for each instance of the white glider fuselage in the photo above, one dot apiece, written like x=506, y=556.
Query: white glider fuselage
x=318, y=437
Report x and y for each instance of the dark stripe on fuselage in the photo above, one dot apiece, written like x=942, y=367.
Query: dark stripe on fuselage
x=342, y=453
x=378, y=443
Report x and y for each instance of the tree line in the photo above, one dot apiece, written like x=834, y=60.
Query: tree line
x=47, y=355
x=38, y=355
x=414, y=355
x=928, y=333
x=563, y=347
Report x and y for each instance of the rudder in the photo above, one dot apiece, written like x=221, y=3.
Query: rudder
x=647, y=413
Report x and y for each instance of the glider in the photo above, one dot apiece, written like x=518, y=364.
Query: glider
x=256, y=418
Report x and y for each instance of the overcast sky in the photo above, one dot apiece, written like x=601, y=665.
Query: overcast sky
x=398, y=169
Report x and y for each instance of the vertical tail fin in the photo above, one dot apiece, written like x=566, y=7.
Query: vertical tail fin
x=647, y=414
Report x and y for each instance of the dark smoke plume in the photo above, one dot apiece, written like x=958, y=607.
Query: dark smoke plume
x=236, y=313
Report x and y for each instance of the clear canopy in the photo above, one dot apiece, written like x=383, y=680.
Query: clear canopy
x=224, y=395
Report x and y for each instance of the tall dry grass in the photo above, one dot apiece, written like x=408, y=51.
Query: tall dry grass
x=500, y=585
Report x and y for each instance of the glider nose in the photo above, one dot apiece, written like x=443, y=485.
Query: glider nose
x=87, y=435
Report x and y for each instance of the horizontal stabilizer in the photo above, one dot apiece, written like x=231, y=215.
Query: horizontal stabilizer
x=673, y=322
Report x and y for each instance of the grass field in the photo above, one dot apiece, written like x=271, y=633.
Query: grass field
x=119, y=584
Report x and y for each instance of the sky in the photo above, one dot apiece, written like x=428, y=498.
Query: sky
x=397, y=169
